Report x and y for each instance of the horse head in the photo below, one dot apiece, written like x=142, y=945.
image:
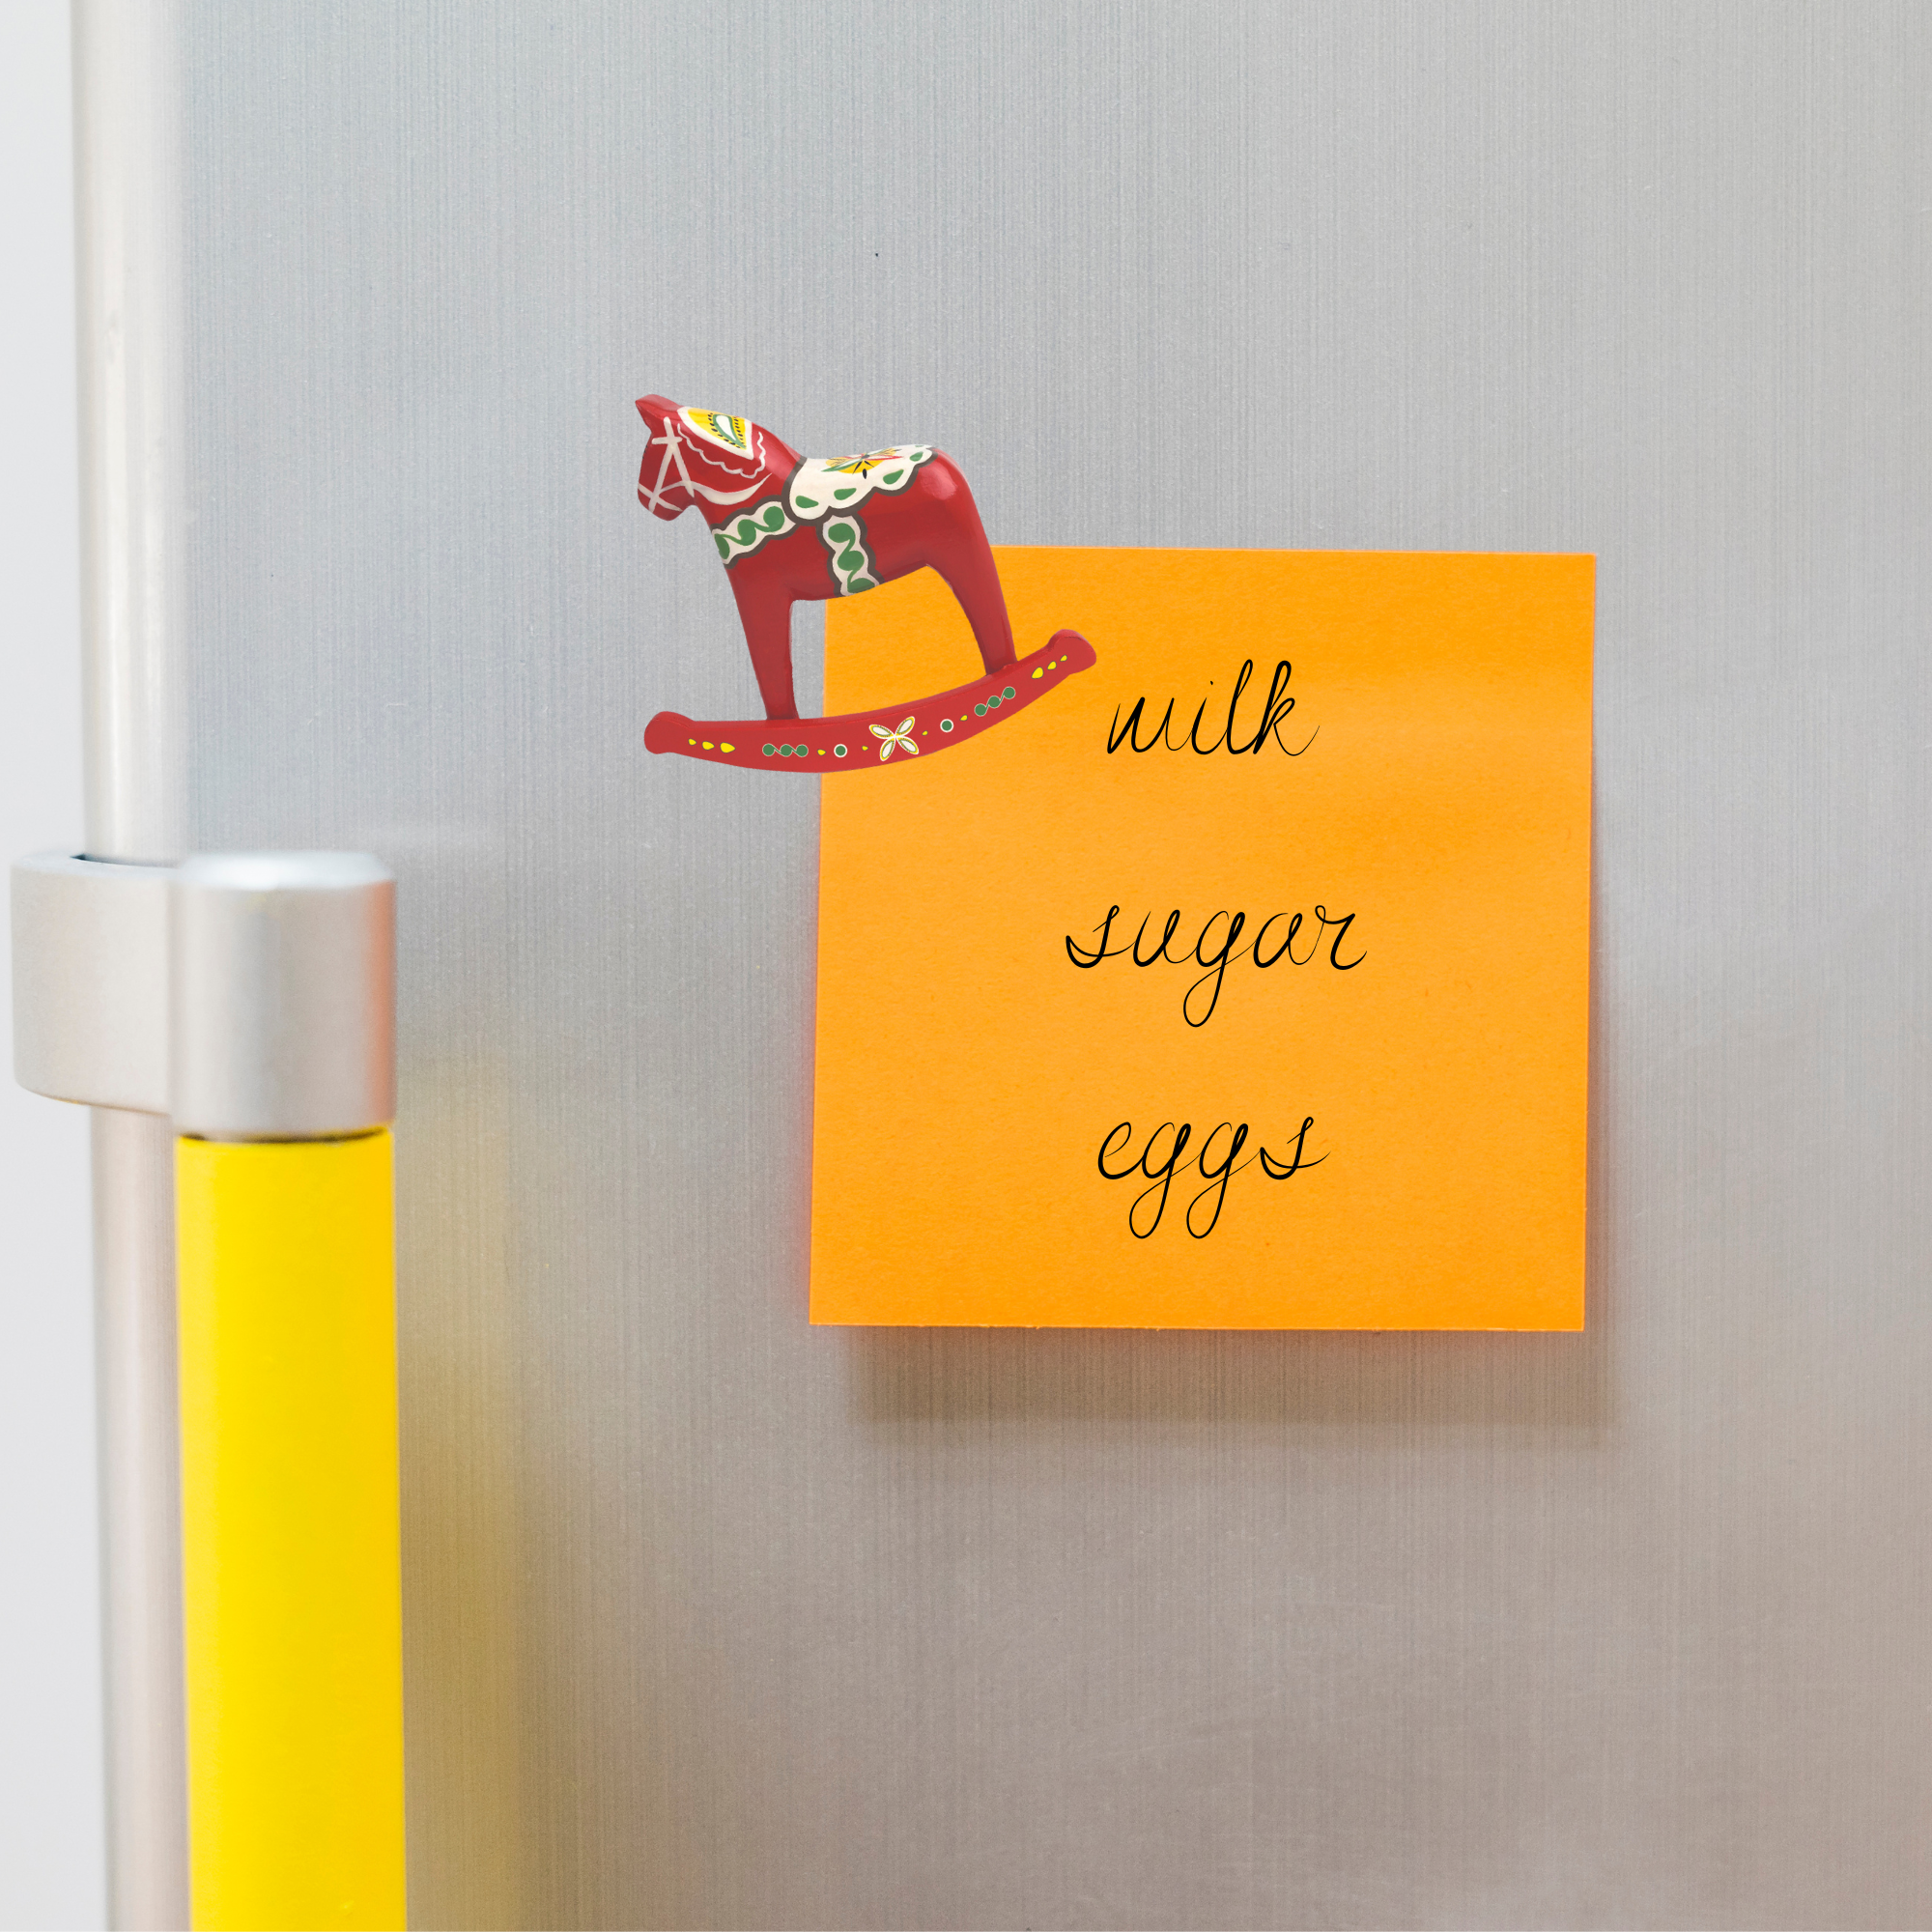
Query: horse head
x=705, y=457
x=663, y=483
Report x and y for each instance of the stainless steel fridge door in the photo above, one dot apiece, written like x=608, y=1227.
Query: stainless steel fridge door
x=716, y=1619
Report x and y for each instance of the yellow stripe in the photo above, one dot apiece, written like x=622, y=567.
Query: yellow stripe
x=293, y=1593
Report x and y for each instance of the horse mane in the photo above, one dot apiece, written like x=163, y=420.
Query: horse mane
x=727, y=465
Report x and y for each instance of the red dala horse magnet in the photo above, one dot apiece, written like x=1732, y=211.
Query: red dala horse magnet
x=790, y=527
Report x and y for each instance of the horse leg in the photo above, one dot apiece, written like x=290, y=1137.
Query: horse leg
x=966, y=563
x=765, y=611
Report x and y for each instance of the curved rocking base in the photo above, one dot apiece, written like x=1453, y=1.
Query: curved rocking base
x=861, y=740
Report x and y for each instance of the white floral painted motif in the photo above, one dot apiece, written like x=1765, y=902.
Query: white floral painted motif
x=899, y=740
x=822, y=484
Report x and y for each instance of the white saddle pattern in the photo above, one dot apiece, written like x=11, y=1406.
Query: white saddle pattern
x=824, y=484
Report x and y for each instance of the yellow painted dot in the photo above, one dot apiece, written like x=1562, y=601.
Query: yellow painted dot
x=728, y=748
x=691, y=741
x=1039, y=673
x=821, y=750
x=708, y=746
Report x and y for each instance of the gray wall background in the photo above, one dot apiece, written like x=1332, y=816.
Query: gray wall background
x=50, y=1759
x=714, y=1619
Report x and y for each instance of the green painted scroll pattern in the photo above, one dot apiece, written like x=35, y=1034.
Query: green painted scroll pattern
x=742, y=535
x=852, y=566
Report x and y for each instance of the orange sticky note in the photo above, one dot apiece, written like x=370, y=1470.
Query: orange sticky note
x=1287, y=1031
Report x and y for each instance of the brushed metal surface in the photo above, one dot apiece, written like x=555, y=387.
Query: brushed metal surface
x=130, y=187
x=716, y=1620
x=281, y=995
x=91, y=981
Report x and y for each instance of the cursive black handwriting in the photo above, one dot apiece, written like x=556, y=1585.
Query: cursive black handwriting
x=1217, y=1172
x=1275, y=715
x=1216, y=951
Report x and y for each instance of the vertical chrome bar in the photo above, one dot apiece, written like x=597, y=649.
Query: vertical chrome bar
x=134, y=1322
x=129, y=188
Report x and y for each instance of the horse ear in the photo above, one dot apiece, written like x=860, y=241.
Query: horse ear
x=654, y=408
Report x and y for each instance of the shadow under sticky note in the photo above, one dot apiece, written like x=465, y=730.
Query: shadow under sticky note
x=1243, y=983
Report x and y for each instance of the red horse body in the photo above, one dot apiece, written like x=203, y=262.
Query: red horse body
x=790, y=527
